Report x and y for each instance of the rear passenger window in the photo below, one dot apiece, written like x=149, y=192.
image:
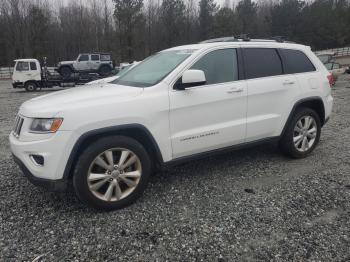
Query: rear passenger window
x=296, y=62
x=261, y=62
x=219, y=66
x=33, y=66
x=95, y=57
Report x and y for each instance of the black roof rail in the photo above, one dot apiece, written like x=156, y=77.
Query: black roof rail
x=220, y=39
x=243, y=37
x=246, y=38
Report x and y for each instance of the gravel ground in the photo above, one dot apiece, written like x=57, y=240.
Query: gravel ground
x=250, y=205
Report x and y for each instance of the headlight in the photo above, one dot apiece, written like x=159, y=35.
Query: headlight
x=45, y=125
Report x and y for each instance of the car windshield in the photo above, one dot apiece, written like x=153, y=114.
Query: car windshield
x=153, y=69
x=122, y=71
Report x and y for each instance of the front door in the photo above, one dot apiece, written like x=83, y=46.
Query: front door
x=83, y=62
x=213, y=115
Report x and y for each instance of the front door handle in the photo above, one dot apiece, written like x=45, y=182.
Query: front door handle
x=235, y=90
x=288, y=82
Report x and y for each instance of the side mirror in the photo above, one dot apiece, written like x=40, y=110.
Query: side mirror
x=191, y=78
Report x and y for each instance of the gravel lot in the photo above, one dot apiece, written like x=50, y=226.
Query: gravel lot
x=247, y=205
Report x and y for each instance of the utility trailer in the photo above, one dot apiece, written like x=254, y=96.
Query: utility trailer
x=29, y=74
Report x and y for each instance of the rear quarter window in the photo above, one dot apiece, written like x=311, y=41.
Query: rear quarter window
x=296, y=61
x=106, y=58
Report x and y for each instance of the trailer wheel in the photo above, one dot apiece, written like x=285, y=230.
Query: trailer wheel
x=65, y=72
x=30, y=86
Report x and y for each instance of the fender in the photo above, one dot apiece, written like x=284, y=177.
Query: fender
x=108, y=131
x=102, y=65
x=297, y=104
x=66, y=65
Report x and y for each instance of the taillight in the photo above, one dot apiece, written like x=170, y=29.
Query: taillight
x=330, y=79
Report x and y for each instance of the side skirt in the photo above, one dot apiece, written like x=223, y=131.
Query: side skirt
x=224, y=150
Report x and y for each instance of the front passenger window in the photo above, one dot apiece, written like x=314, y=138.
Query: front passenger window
x=219, y=66
x=84, y=58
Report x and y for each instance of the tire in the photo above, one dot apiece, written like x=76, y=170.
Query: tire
x=30, y=87
x=297, y=130
x=104, y=71
x=97, y=196
x=65, y=72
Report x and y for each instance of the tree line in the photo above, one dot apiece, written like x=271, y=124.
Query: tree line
x=135, y=29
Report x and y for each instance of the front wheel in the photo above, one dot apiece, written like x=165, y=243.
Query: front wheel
x=112, y=173
x=30, y=87
x=302, y=133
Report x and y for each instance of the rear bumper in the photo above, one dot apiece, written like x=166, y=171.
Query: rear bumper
x=51, y=185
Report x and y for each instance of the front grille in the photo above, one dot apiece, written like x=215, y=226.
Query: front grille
x=18, y=126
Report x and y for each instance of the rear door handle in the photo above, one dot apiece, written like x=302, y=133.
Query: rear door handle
x=288, y=82
x=235, y=90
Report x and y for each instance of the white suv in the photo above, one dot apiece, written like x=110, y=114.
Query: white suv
x=179, y=104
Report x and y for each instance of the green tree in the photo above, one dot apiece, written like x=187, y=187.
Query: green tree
x=38, y=23
x=129, y=17
x=247, y=17
x=172, y=19
x=225, y=24
x=285, y=18
x=207, y=10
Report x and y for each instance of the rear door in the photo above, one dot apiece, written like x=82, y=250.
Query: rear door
x=95, y=61
x=270, y=92
x=213, y=115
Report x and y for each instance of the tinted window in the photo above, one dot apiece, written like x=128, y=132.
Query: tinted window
x=262, y=62
x=296, y=62
x=219, y=66
x=105, y=58
x=33, y=66
x=336, y=66
x=95, y=57
x=84, y=58
x=329, y=66
x=22, y=66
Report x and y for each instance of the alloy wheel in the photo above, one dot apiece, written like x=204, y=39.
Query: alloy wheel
x=305, y=133
x=114, y=174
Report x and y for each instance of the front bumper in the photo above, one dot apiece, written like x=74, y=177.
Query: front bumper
x=51, y=185
x=17, y=84
x=53, y=148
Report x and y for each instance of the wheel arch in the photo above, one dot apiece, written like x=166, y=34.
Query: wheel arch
x=136, y=131
x=105, y=65
x=31, y=82
x=70, y=66
x=315, y=103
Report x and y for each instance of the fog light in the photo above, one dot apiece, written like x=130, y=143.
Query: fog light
x=37, y=160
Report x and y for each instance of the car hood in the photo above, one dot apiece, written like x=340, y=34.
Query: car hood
x=85, y=96
x=103, y=80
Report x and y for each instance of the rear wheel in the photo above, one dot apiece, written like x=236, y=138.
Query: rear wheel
x=65, y=72
x=302, y=133
x=112, y=173
x=105, y=71
x=30, y=87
